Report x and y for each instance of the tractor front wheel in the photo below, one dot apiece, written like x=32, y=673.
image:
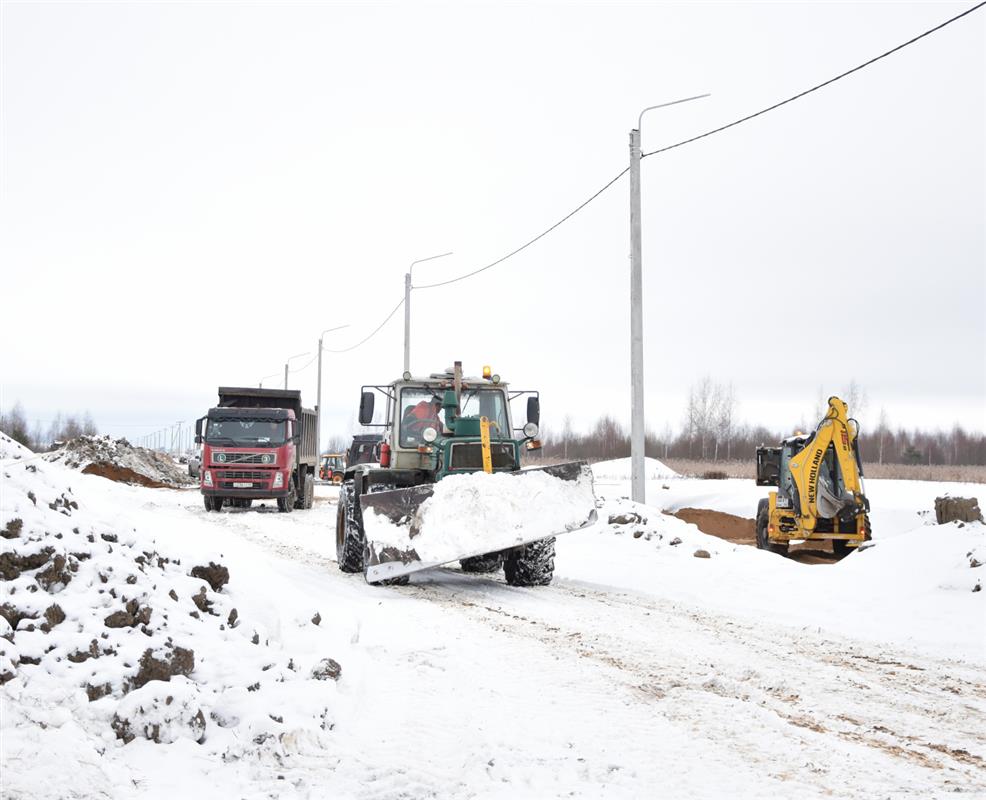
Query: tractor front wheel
x=532, y=564
x=350, y=541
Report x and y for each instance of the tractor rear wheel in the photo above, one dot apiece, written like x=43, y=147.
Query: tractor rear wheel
x=490, y=562
x=841, y=547
x=350, y=541
x=532, y=564
x=763, y=535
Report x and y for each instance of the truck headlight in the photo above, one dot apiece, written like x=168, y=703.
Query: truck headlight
x=531, y=430
x=207, y=477
x=429, y=434
x=278, y=480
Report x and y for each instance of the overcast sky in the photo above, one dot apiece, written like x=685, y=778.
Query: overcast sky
x=191, y=192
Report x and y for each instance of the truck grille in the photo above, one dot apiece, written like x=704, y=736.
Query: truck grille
x=239, y=458
x=469, y=455
x=241, y=475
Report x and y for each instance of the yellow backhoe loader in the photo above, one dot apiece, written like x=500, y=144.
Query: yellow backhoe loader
x=819, y=480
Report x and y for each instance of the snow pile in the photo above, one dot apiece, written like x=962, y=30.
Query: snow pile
x=481, y=513
x=119, y=460
x=916, y=586
x=11, y=449
x=619, y=470
x=111, y=635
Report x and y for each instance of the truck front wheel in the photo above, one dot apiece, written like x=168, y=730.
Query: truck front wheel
x=531, y=565
x=286, y=504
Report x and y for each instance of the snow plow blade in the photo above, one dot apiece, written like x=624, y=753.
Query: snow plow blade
x=461, y=516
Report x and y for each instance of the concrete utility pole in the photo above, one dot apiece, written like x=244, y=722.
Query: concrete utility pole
x=318, y=401
x=407, y=308
x=292, y=358
x=637, y=430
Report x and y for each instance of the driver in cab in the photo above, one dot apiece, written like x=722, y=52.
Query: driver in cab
x=423, y=415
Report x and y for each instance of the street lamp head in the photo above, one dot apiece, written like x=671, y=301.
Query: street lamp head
x=640, y=119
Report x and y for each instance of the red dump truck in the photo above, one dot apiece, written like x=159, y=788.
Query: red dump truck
x=257, y=444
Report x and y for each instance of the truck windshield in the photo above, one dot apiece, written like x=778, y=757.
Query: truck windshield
x=247, y=432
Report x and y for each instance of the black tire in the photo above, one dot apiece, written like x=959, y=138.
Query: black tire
x=309, y=491
x=763, y=512
x=350, y=541
x=490, y=562
x=287, y=504
x=763, y=537
x=531, y=565
x=403, y=580
x=209, y=504
x=841, y=547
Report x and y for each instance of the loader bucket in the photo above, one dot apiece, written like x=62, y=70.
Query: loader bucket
x=466, y=515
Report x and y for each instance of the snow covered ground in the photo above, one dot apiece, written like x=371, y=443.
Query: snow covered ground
x=645, y=669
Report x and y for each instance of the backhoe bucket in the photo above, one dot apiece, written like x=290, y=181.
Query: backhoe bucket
x=472, y=514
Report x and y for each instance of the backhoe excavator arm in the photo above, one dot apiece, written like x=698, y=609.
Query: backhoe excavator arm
x=807, y=466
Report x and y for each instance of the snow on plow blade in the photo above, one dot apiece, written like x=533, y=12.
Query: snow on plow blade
x=469, y=515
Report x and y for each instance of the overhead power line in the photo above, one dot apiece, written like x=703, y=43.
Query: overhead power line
x=830, y=81
x=373, y=333
x=524, y=246
x=682, y=143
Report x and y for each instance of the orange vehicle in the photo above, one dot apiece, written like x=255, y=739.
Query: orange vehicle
x=331, y=467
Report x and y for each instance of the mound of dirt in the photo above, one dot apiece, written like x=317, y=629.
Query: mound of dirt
x=118, y=460
x=744, y=531
x=717, y=523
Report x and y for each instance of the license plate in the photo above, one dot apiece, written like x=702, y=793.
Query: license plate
x=242, y=485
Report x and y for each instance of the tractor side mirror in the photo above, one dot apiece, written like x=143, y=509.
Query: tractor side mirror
x=533, y=410
x=366, y=408
x=198, y=430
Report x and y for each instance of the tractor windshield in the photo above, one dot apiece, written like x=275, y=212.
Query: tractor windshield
x=420, y=409
x=488, y=403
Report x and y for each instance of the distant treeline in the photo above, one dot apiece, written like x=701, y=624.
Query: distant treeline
x=711, y=432
x=38, y=438
x=608, y=439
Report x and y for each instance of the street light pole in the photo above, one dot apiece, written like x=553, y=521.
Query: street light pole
x=407, y=308
x=637, y=429
x=292, y=358
x=318, y=401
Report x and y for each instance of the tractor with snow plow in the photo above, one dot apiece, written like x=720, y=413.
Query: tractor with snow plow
x=449, y=485
x=819, y=480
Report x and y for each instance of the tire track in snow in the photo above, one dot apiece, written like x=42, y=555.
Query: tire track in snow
x=820, y=701
x=830, y=673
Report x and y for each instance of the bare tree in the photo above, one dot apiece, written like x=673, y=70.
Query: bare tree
x=855, y=397
x=16, y=425
x=883, y=429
